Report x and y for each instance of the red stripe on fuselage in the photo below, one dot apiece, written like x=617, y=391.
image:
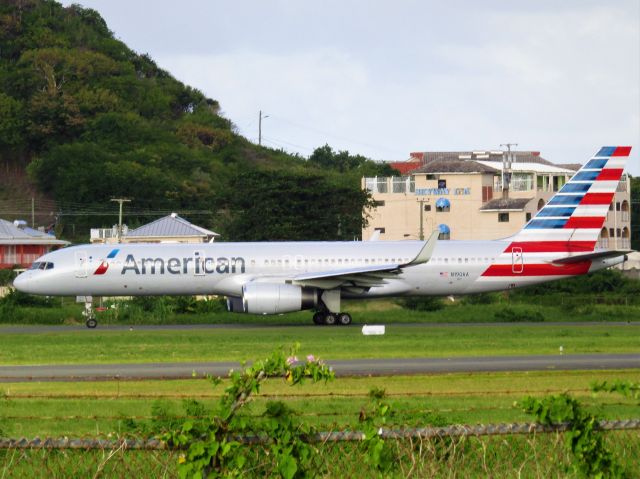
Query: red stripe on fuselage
x=597, y=199
x=585, y=222
x=573, y=269
x=552, y=246
x=622, y=151
x=610, y=174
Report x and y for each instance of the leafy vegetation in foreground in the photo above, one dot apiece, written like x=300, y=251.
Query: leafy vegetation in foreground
x=257, y=401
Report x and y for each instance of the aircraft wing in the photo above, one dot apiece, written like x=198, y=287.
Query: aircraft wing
x=577, y=258
x=364, y=276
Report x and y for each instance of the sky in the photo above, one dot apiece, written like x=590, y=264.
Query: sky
x=385, y=78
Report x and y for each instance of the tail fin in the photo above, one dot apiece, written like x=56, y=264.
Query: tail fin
x=572, y=220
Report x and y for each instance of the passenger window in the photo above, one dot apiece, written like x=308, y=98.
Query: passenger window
x=466, y=260
x=446, y=260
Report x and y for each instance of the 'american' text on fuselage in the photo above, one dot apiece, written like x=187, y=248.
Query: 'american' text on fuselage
x=202, y=265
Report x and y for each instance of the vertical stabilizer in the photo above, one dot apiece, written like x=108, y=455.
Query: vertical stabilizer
x=572, y=220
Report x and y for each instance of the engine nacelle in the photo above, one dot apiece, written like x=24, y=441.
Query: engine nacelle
x=269, y=298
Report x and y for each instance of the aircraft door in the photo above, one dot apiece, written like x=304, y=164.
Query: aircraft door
x=517, y=260
x=81, y=264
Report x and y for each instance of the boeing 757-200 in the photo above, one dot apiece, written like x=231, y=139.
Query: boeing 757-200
x=280, y=277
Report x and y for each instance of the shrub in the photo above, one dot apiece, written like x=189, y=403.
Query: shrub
x=16, y=298
x=425, y=303
x=480, y=298
x=7, y=276
x=510, y=315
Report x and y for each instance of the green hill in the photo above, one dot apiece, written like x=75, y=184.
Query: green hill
x=89, y=119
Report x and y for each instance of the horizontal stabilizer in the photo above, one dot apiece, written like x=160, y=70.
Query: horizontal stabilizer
x=578, y=258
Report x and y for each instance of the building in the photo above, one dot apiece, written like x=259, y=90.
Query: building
x=21, y=245
x=169, y=229
x=462, y=195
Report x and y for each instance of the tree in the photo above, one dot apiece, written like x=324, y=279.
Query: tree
x=283, y=205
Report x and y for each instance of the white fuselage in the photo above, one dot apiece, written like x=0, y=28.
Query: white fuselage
x=455, y=267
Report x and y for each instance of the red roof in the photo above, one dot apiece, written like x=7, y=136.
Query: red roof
x=405, y=167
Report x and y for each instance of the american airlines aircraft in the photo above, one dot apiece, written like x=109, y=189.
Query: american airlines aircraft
x=280, y=277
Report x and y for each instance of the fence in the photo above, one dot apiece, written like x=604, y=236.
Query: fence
x=507, y=450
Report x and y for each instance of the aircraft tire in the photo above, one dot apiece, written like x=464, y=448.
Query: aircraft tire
x=344, y=319
x=330, y=319
x=318, y=318
x=91, y=323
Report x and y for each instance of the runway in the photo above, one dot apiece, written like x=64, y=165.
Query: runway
x=353, y=367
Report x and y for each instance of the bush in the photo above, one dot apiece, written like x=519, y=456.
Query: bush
x=510, y=315
x=480, y=298
x=191, y=305
x=16, y=298
x=7, y=276
x=426, y=303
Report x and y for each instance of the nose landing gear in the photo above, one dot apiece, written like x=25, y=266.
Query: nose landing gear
x=89, y=313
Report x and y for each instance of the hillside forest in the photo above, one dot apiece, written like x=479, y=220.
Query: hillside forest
x=88, y=119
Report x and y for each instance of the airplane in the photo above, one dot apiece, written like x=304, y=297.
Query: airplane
x=281, y=277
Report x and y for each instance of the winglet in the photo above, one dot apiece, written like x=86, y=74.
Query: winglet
x=427, y=250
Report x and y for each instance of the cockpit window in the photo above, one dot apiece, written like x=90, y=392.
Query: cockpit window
x=41, y=265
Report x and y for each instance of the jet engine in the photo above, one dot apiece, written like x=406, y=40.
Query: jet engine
x=269, y=298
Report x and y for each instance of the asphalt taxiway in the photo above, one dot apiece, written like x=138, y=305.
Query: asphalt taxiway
x=352, y=367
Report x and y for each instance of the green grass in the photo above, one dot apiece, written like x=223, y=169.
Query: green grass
x=382, y=311
x=125, y=407
x=236, y=344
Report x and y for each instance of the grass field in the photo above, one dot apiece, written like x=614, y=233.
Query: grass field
x=555, y=308
x=241, y=343
x=127, y=407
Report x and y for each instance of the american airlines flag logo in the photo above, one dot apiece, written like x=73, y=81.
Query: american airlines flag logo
x=444, y=274
x=104, y=265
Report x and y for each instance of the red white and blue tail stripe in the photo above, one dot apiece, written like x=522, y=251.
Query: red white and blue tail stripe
x=569, y=224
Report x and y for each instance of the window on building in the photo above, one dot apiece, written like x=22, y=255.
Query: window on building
x=381, y=230
x=618, y=206
x=527, y=217
x=445, y=232
x=521, y=182
x=427, y=207
x=503, y=217
x=442, y=184
x=378, y=203
x=432, y=177
x=443, y=205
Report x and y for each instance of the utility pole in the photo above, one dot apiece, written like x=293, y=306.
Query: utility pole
x=120, y=201
x=260, y=117
x=33, y=212
x=421, y=203
x=506, y=166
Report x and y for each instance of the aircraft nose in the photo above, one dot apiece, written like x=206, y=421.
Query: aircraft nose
x=21, y=283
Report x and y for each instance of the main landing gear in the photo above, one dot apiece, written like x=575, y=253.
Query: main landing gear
x=330, y=319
